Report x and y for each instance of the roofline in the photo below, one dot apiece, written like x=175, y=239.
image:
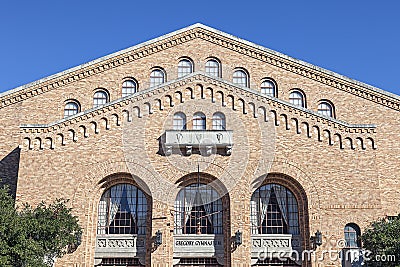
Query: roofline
x=213, y=30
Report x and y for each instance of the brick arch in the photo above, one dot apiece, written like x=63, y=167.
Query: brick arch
x=93, y=184
x=302, y=202
x=292, y=169
x=215, y=183
x=90, y=186
x=205, y=178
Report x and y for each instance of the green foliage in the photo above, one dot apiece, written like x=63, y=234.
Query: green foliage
x=34, y=236
x=383, y=238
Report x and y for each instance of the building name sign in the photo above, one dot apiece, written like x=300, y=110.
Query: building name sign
x=197, y=243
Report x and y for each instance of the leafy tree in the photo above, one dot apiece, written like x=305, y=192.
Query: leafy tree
x=35, y=236
x=381, y=240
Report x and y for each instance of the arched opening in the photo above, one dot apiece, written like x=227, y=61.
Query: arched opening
x=326, y=108
x=297, y=98
x=179, y=122
x=219, y=121
x=352, y=253
x=185, y=67
x=213, y=67
x=122, y=210
x=268, y=87
x=123, y=225
x=279, y=222
x=199, y=121
x=200, y=212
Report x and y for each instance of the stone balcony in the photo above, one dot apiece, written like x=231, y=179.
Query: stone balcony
x=120, y=246
x=271, y=245
x=205, y=142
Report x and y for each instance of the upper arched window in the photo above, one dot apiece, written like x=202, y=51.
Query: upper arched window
x=268, y=87
x=122, y=210
x=274, y=210
x=218, y=121
x=297, y=98
x=179, y=121
x=100, y=98
x=71, y=108
x=185, y=67
x=199, y=121
x=240, y=78
x=352, y=235
x=198, y=210
x=157, y=77
x=213, y=68
x=129, y=87
x=325, y=108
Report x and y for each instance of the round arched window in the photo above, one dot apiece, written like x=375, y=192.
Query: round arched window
x=274, y=210
x=179, y=121
x=297, y=98
x=199, y=121
x=352, y=235
x=157, y=77
x=268, y=88
x=213, y=68
x=71, y=108
x=240, y=78
x=325, y=108
x=218, y=121
x=100, y=98
x=198, y=210
x=185, y=67
x=122, y=210
x=129, y=87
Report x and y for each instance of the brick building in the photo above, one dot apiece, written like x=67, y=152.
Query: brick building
x=199, y=148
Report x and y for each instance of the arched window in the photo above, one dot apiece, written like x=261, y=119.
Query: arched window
x=199, y=121
x=129, y=87
x=325, y=108
x=352, y=235
x=268, y=87
x=122, y=210
x=213, y=68
x=179, y=121
x=100, y=98
x=240, y=78
x=185, y=67
x=219, y=121
x=297, y=98
x=71, y=108
x=157, y=77
x=198, y=210
x=274, y=210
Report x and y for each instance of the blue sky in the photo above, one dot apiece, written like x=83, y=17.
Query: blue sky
x=358, y=39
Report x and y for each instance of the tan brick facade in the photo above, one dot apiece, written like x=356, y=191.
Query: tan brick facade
x=340, y=170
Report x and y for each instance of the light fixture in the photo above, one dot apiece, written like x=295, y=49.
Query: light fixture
x=158, y=239
x=238, y=238
x=316, y=240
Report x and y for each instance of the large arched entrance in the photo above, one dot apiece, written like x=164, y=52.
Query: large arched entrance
x=200, y=210
x=279, y=222
x=122, y=224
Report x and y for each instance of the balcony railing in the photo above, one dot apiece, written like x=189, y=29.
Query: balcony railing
x=122, y=246
x=202, y=141
x=271, y=245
